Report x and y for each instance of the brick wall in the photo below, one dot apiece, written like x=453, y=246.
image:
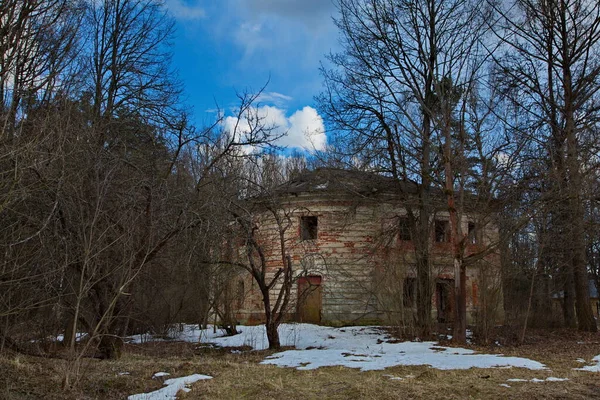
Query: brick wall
x=360, y=259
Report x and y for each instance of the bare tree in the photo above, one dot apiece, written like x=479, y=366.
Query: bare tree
x=552, y=67
x=274, y=283
x=399, y=96
x=39, y=40
x=37, y=52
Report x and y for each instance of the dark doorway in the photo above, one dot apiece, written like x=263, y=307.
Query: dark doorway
x=444, y=292
x=309, y=299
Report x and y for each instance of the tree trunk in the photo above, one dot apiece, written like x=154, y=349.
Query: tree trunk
x=460, y=308
x=111, y=340
x=423, y=241
x=109, y=347
x=568, y=303
x=585, y=316
x=460, y=279
x=272, y=335
x=69, y=336
x=271, y=324
x=423, y=285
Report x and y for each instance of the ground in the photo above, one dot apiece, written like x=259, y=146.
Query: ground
x=238, y=373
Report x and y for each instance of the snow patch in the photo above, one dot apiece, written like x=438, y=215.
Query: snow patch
x=160, y=375
x=364, y=347
x=79, y=336
x=591, y=368
x=169, y=392
x=538, y=380
x=393, y=378
x=368, y=348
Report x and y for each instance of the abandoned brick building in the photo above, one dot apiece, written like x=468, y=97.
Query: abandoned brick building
x=352, y=255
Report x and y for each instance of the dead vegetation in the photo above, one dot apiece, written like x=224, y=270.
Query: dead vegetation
x=239, y=375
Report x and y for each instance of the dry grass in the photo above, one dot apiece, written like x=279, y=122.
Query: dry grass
x=240, y=376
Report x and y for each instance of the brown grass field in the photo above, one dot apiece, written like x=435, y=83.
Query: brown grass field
x=240, y=376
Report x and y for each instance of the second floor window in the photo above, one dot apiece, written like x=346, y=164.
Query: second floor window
x=472, y=235
x=309, y=228
x=404, y=229
x=442, y=231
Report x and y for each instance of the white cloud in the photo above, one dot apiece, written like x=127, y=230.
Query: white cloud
x=255, y=41
x=275, y=98
x=304, y=129
x=287, y=34
x=312, y=13
x=185, y=10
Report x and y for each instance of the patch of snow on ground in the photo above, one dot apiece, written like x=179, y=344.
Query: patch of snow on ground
x=78, y=336
x=363, y=347
x=504, y=385
x=537, y=380
x=591, y=368
x=184, y=333
x=160, y=375
x=60, y=337
x=367, y=348
x=169, y=392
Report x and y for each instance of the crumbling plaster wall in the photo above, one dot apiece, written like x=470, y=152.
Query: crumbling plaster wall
x=355, y=243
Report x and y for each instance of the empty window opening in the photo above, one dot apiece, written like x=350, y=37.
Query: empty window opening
x=444, y=289
x=308, y=228
x=442, y=231
x=472, y=236
x=404, y=229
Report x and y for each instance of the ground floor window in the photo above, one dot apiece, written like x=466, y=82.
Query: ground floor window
x=444, y=296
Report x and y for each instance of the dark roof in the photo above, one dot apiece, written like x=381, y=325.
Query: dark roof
x=340, y=180
x=335, y=182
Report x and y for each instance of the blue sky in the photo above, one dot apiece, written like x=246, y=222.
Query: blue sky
x=225, y=46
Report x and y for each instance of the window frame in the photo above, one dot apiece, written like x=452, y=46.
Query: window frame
x=472, y=233
x=409, y=292
x=309, y=227
x=446, y=231
x=404, y=231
